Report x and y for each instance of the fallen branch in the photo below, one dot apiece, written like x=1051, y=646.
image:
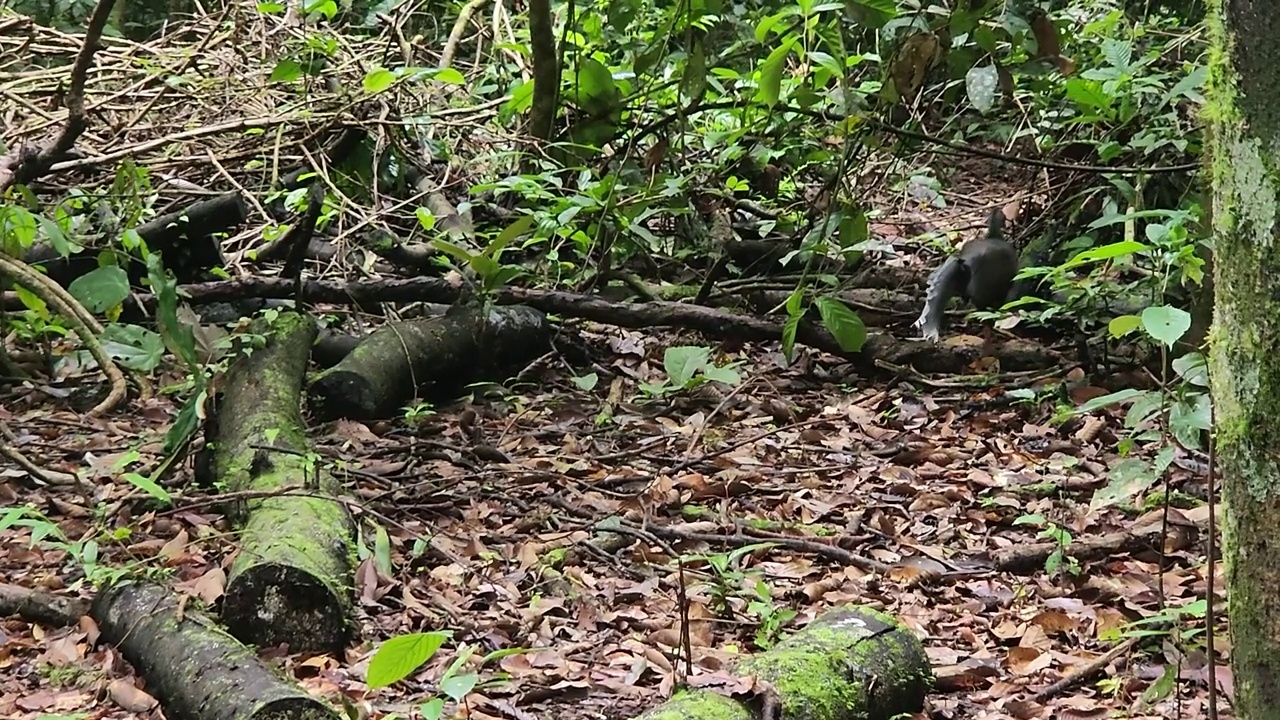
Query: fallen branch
x=194, y=669
x=82, y=322
x=26, y=163
x=36, y=606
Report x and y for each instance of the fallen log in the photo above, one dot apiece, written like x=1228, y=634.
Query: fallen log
x=36, y=606
x=711, y=322
x=291, y=581
x=186, y=238
x=432, y=357
x=193, y=668
x=851, y=663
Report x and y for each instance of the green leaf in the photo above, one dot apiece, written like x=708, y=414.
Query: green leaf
x=771, y=71
x=148, y=486
x=17, y=230
x=179, y=337
x=726, y=375
x=1115, y=398
x=451, y=76
x=1190, y=417
x=458, y=687
x=586, y=382
x=982, y=83
x=382, y=552
x=683, y=362
x=286, y=71
x=101, y=289
x=693, y=84
x=432, y=709
x=1127, y=478
x=1192, y=368
x=1107, y=252
x=184, y=426
x=133, y=346
x=402, y=655
x=378, y=80
x=458, y=253
x=843, y=323
x=509, y=234
x=1166, y=323
x=597, y=93
x=1123, y=325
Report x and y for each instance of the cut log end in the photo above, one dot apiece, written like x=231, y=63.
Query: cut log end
x=278, y=604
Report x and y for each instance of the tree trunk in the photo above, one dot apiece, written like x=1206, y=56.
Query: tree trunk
x=1245, y=347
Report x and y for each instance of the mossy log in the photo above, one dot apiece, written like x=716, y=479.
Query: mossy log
x=430, y=357
x=195, y=669
x=851, y=663
x=291, y=581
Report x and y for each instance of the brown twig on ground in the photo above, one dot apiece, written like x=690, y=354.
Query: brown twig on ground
x=27, y=163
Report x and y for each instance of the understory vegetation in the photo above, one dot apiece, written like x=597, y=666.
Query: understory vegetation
x=728, y=212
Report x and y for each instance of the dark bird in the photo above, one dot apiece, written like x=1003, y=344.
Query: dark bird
x=981, y=272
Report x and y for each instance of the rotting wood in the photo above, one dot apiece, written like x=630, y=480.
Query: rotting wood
x=851, y=663
x=40, y=607
x=195, y=669
x=434, y=357
x=291, y=581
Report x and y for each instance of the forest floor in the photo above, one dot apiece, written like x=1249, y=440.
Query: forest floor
x=937, y=481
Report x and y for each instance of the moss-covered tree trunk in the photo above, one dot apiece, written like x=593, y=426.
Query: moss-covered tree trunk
x=1245, y=342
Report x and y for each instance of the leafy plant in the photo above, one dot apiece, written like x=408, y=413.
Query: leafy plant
x=689, y=367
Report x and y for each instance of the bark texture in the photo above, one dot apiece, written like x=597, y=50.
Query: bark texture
x=435, y=357
x=1245, y=347
x=291, y=581
x=193, y=668
x=852, y=663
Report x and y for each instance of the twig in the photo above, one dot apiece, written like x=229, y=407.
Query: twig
x=84, y=325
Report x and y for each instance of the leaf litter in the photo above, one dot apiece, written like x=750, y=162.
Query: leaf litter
x=539, y=520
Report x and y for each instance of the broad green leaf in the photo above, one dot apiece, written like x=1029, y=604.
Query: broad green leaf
x=683, y=362
x=1115, y=398
x=451, y=76
x=432, y=709
x=1192, y=368
x=286, y=71
x=844, y=324
x=1127, y=478
x=400, y=656
x=726, y=375
x=1123, y=325
x=100, y=289
x=1166, y=323
x=586, y=382
x=184, y=426
x=133, y=346
x=982, y=83
x=378, y=80
x=1108, y=252
x=458, y=687
x=509, y=234
x=597, y=92
x=382, y=552
x=457, y=252
x=771, y=71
